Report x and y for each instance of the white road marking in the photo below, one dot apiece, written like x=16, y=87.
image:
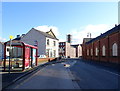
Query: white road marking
x=111, y=72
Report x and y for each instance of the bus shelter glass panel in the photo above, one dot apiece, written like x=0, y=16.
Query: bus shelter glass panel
x=14, y=55
x=27, y=57
x=34, y=57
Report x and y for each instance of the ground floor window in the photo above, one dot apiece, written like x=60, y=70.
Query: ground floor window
x=103, y=51
x=91, y=52
x=96, y=51
x=114, y=49
x=87, y=52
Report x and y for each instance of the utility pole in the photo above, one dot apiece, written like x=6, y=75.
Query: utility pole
x=11, y=37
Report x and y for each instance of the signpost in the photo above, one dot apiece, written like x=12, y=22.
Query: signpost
x=11, y=37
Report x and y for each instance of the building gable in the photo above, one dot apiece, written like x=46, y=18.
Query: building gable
x=51, y=33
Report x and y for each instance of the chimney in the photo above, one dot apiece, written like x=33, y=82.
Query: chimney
x=18, y=36
x=69, y=38
x=115, y=25
x=23, y=35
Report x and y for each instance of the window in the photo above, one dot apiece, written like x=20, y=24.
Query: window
x=91, y=52
x=54, y=52
x=47, y=41
x=96, y=51
x=87, y=52
x=47, y=52
x=114, y=49
x=103, y=51
x=54, y=43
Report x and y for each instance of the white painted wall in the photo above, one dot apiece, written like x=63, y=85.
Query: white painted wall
x=51, y=46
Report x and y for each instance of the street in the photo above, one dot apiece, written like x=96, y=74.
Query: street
x=55, y=76
x=72, y=74
x=94, y=77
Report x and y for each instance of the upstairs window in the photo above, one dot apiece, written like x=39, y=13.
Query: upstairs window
x=114, y=49
x=54, y=43
x=48, y=42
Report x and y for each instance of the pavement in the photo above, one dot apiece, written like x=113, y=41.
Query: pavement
x=8, y=79
x=54, y=76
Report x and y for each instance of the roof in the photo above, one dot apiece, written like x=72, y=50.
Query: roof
x=113, y=30
x=87, y=39
x=18, y=43
x=2, y=42
x=75, y=45
x=46, y=34
x=19, y=38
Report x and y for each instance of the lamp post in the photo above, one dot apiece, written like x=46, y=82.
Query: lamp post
x=11, y=37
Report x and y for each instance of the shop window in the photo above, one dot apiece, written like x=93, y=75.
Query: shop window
x=103, y=51
x=114, y=49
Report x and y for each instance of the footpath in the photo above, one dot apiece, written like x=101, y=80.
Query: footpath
x=8, y=79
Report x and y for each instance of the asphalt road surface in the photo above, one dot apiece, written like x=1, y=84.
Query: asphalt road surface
x=72, y=74
x=94, y=77
x=55, y=76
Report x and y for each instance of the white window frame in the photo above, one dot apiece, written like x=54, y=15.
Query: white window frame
x=115, y=49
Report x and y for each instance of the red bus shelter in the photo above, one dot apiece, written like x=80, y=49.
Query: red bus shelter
x=19, y=56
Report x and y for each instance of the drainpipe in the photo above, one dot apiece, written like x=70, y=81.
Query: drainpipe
x=108, y=49
x=118, y=47
x=4, y=56
x=99, y=50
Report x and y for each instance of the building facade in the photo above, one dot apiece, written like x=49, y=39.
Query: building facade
x=105, y=47
x=67, y=50
x=46, y=41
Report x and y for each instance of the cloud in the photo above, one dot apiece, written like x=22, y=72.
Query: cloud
x=2, y=39
x=62, y=40
x=79, y=33
x=46, y=28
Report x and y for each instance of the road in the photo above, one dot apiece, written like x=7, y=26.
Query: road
x=55, y=76
x=72, y=74
x=94, y=77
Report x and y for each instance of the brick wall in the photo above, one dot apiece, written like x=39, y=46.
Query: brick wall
x=106, y=41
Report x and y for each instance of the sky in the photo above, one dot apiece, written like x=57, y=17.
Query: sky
x=75, y=18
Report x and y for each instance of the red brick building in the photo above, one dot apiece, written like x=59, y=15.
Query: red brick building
x=105, y=47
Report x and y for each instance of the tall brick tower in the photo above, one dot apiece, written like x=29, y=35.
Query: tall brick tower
x=69, y=38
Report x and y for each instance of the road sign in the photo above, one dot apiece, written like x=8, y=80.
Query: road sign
x=11, y=37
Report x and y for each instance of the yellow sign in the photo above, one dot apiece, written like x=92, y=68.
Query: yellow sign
x=11, y=37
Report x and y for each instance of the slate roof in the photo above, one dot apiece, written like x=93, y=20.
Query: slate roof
x=113, y=30
x=46, y=34
x=18, y=38
x=87, y=39
x=2, y=43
